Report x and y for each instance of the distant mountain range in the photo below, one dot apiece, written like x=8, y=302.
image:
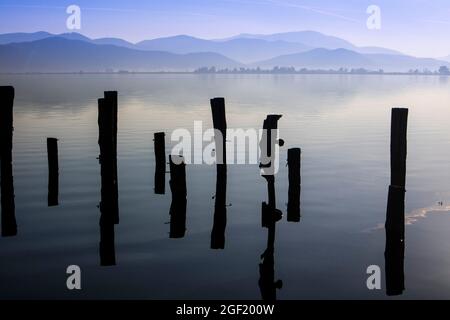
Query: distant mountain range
x=73, y=52
x=58, y=54
x=338, y=58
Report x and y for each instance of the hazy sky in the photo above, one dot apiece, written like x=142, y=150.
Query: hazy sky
x=417, y=27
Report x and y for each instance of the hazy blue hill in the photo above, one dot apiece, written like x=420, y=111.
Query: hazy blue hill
x=243, y=50
x=315, y=39
x=311, y=39
x=57, y=54
x=319, y=59
x=23, y=37
x=343, y=58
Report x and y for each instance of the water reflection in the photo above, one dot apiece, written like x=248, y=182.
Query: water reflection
x=220, y=209
x=179, y=193
x=395, y=245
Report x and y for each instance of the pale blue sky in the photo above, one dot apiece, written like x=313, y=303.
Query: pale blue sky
x=417, y=27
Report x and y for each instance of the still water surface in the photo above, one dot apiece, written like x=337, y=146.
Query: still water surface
x=342, y=124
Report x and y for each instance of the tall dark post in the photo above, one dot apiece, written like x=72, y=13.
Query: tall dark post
x=220, y=124
x=109, y=202
x=220, y=209
x=395, y=213
x=9, y=225
x=179, y=196
x=111, y=102
x=53, y=171
x=399, y=125
x=293, y=207
x=160, y=162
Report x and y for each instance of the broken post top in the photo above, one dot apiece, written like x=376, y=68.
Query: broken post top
x=6, y=107
x=271, y=121
x=218, y=113
x=110, y=95
x=6, y=91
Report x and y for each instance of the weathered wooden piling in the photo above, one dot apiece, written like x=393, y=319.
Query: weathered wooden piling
x=395, y=213
x=220, y=124
x=179, y=196
x=160, y=162
x=8, y=219
x=293, y=207
x=109, y=202
x=107, y=120
x=53, y=171
x=399, y=125
x=220, y=138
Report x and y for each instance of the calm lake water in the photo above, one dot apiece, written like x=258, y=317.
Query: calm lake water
x=342, y=124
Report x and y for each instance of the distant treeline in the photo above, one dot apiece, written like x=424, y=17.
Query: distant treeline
x=291, y=70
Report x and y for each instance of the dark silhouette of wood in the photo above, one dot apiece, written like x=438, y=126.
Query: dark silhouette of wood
x=53, y=171
x=220, y=209
x=270, y=215
x=179, y=196
x=220, y=124
x=267, y=144
x=293, y=207
x=160, y=162
x=395, y=212
x=108, y=134
x=109, y=202
x=399, y=125
x=220, y=138
x=9, y=225
x=394, y=253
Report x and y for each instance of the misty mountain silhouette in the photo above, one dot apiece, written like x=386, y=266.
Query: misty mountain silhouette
x=313, y=40
x=74, y=52
x=243, y=50
x=57, y=54
x=343, y=58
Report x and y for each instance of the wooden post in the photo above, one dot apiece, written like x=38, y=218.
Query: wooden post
x=110, y=111
x=293, y=207
x=109, y=202
x=179, y=193
x=395, y=212
x=220, y=137
x=8, y=219
x=160, y=162
x=220, y=124
x=399, y=125
x=53, y=171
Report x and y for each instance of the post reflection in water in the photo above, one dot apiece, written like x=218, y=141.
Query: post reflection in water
x=179, y=196
x=395, y=241
x=220, y=209
x=269, y=215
